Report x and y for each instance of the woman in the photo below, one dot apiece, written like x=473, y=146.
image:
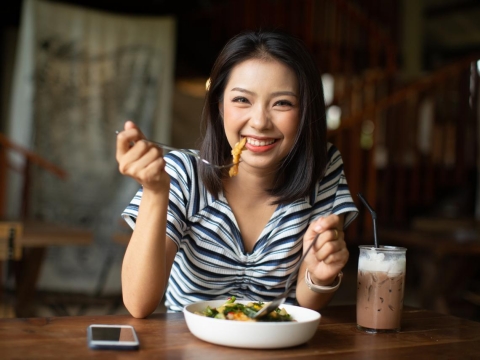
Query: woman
x=202, y=234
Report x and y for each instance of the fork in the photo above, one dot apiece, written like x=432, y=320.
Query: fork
x=280, y=299
x=186, y=151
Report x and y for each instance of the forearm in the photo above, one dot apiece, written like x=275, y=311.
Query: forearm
x=144, y=265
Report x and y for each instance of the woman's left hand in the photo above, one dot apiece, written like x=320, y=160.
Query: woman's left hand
x=329, y=254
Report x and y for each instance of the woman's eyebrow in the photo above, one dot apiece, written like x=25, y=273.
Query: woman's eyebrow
x=288, y=93
x=242, y=90
x=277, y=93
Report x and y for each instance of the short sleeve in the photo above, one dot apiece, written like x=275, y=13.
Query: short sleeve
x=182, y=176
x=131, y=211
x=333, y=195
x=179, y=169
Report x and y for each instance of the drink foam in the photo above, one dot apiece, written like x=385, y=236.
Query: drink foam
x=371, y=260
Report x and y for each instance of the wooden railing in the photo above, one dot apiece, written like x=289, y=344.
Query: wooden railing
x=406, y=148
x=354, y=40
x=31, y=159
x=340, y=33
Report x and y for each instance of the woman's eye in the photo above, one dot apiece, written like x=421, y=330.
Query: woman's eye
x=283, y=103
x=240, y=99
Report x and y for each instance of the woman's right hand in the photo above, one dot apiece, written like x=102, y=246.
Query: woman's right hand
x=143, y=161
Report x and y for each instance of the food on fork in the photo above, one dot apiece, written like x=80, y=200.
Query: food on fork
x=236, y=152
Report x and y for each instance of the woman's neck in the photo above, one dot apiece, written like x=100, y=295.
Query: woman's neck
x=253, y=186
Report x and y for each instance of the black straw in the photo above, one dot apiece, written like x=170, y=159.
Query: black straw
x=374, y=217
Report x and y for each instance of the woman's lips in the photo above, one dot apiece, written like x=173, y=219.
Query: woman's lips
x=260, y=145
x=257, y=142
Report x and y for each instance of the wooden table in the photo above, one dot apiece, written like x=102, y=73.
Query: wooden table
x=424, y=335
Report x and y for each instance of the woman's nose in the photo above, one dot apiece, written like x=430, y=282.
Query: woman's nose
x=260, y=118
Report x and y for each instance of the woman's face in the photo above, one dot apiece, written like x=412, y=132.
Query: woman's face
x=261, y=103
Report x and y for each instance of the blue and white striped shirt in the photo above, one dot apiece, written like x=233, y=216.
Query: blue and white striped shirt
x=211, y=262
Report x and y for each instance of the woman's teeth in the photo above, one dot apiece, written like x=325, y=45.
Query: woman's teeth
x=256, y=142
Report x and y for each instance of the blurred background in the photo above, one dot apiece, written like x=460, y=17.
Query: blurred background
x=401, y=81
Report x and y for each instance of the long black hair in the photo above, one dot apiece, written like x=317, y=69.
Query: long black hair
x=305, y=164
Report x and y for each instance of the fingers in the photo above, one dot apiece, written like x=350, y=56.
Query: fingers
x=126, y=138
x=335, y=231
x=129, y=125
x=331, y=251
x=141, y=160
x=139, y=157
x=330, y=239
x=152, y=173
x=329, y=228
x=328, y=222
x=330, y=247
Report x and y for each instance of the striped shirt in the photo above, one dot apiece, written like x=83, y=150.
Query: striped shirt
x=211, y=261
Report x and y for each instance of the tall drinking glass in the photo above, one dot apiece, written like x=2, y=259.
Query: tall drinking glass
x=380, y=288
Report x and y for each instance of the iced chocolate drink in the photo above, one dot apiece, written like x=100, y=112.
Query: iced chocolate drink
x=380, y=288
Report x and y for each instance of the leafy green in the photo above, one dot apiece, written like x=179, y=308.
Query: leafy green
x=231, y=308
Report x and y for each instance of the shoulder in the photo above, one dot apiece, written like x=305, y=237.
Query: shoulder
x=333, y=154
x=333, y=178
x=185, y=181
x=181, y=166
x=334, y=167
x=183, y=172
x=180, y=162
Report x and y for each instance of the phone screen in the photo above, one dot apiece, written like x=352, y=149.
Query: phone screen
x=112, y=334
x=112, y=337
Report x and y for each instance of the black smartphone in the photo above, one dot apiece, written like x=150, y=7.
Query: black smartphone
x=113, y=337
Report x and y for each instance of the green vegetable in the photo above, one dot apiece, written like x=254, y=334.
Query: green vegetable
x=250, y=310
x=211, y=312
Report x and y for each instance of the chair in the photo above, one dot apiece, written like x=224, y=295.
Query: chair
x=10, y=251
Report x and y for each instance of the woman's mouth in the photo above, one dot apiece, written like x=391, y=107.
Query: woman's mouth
x=256, y=142
x=260, y=145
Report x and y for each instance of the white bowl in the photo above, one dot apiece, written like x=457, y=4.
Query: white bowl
x=253, y=335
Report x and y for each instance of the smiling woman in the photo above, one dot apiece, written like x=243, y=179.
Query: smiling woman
x=200, y=234
x=260, y=103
